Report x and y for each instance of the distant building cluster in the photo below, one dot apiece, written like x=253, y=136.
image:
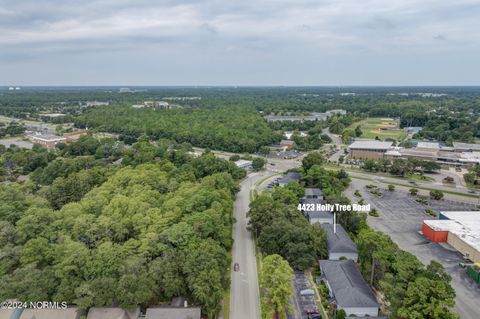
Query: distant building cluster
x=50, y=140
x=315, y=116
x=163, y=105
x=461, y=154
x=459, y=229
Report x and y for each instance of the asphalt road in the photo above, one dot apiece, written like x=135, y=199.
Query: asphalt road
x=244, y=293
x=401, y=218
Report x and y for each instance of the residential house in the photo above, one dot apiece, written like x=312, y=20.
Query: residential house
x=348, y=288
x=112, y=313
x=313, y=193
x=339, y=243
x=290, y=176
x=173, y=313
x=319, y=214
x=69, y=313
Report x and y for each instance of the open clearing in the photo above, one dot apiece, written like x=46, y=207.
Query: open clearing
x=382, y=127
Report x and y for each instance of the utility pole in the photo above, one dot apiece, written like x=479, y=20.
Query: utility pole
x=373, y=271
x=334, y=222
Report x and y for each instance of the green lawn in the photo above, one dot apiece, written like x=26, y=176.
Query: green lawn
x=380, y=126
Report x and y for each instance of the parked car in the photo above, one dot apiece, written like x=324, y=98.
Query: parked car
x=315, y=316
x=236, y=267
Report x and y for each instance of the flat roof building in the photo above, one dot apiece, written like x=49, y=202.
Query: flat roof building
x=47, y=140
x=460, y=229
x=369, y=149
x=466, y=147
x=339, y=243
x=428, y=146
x=348, y=287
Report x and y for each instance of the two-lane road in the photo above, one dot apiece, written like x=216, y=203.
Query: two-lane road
x=244, y=293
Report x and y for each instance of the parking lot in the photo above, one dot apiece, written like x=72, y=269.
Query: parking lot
x=401, y=217
x=303, y=301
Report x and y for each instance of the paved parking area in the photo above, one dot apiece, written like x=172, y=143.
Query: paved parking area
x=401, y=217
x=302, y=304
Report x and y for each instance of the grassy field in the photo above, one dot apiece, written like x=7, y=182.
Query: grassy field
x=382, y=127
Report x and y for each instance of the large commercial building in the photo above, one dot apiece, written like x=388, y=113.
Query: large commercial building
x=459, y=229
x=348, y=288
x=367, y=149
x=47, y=140
x=461, y=154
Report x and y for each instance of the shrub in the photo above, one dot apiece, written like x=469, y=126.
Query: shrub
x=373, y=212
x=357, y=193
x=430, y=212
x=436, y=194
x=391, y=188
x=413, y=191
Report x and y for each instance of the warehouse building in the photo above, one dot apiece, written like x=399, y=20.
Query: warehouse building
x=339, y=244
x=459, y=229
x=369, y=149
x=347, y=286
x=466, y=147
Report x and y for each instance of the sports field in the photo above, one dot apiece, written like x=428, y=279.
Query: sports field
x=382, y=127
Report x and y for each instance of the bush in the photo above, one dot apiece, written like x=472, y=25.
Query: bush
x=391, y=188
x=448, y=179
x=436, y=194
x=373, y=212
x=430, y=212
x=422, y=200
x=357, y=193
x=413, y=191
x=234, y=158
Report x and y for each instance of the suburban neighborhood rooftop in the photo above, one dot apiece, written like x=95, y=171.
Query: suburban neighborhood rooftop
x=347, y=284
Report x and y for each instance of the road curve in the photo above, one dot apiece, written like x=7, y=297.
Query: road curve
x=244, y=292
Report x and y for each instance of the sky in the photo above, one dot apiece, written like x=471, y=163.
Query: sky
x=240, y=42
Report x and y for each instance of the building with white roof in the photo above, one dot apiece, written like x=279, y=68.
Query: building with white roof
x=460, y=229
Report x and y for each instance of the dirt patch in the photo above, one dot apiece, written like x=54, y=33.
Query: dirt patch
x=382, y=132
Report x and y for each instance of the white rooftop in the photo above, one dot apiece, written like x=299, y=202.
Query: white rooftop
x=428, y=145
x=465, y=225
x=371, y=145
x=462, y=215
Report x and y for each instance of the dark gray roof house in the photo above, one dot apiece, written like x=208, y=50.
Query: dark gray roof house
x=339, y=243
x=290, y=176
x=10, y=313
x=348, y=288
x=319, y=214
x=112, y=313
x=313, y=193
x=173, y=313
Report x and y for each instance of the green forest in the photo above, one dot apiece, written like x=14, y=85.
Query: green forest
x=90, y=231
x=230, y=129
